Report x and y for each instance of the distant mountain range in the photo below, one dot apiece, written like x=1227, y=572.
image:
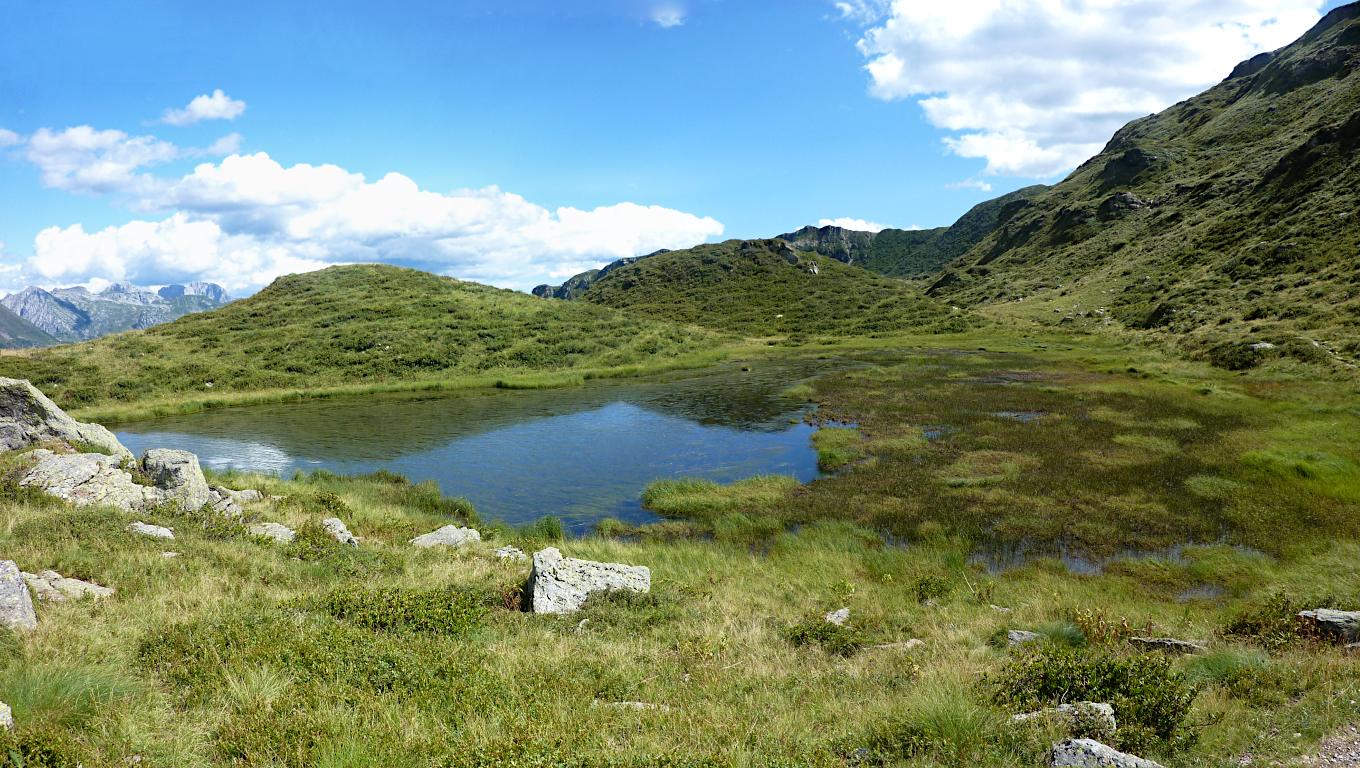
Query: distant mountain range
x=38, y=317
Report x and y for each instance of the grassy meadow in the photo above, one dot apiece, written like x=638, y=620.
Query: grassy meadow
x=1088, y=494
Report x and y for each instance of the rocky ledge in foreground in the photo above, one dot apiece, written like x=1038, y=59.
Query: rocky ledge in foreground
x=560, y=584
x=28, y=418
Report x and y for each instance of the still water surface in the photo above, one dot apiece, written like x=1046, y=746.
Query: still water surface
x=581, y=453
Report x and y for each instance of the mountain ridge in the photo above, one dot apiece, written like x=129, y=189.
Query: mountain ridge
x=76, y=314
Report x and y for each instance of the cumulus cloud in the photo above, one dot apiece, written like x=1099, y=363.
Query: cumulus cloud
x=861, y=11
x=214, y=106
x=859, y=225
x=9, y=138
x=247, y=219
x=1034, y=87
x=83, y=159
x=668, y=15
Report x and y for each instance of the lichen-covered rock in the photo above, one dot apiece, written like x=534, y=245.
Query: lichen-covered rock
x=28, y=418
x=222, y=503
x=276, y=531
x=1091, y=711
x=511, y=553
x=1019, y=637
x=1342, y=626
x=448, y=536
x=243, y=496
x=154, y=531
x=1089, y=753
x=560, y=584
x=1168, y=645
x=86, y=479
x=16, y=604
x=178, y=475
x=52, y=587
x=337, y=530
x=838, y=617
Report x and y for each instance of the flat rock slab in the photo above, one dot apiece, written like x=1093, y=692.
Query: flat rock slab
x=1168, y=645
x=52, y=587
x=86, y=479
x=1089, y=753
x=1072, y=713
x=448, y=536
x=511, y=553
x=560, y=584
x=1342, y=626
x=28, y=417
x=154, y=531
x=16, y=604
x=337, y=530
x=276, y=531
x=1019, y=637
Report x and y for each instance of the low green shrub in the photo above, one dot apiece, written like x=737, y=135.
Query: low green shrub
x=839, y=640
x=450, y=610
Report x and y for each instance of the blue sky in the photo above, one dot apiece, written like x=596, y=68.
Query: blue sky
x=704, y=119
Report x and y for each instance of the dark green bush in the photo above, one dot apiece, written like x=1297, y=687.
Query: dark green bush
x=1150, y=699
x=450, y=610
x=840, y=640
x=1235, y=356
x=45, y=748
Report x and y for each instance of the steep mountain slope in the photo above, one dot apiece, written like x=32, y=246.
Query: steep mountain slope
x=350, y=325
x=75, y=314
x=1228, y=220
x=911, y=252
x=17, y=333
x=576, y=285
x=765, y=288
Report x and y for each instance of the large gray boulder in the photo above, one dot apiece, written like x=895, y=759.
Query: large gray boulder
x=52, y=587
x=448, y=536
x=86, y=479
x=337, y=530
x=16, y=605
x=28, y=418
x=1089, y=753
x=560, y=584
x=1343, y=626
x=177, y=474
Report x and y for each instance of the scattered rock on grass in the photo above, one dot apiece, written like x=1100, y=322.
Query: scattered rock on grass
x=838, y=617
x=16, y=605
x=1088, y=710
x=337, y=530
x=905, y=645
x=448, y=536
x=560, y=584
x=52, y=587
x=154, y=531
x=511, y=553
x=640, y=706
x=276, y=531
x=1019, y=637
x=1089, y=753
x=1342, y=626
x=1168, y=645
x=6, y=717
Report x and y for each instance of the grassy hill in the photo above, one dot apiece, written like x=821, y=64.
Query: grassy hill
x=18, y=333
x=1229, y=219
x=352, y=325
x=765, y=288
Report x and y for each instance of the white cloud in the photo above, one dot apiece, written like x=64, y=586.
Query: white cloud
x=83, y=159
x=859, y=225
x=227, y=145
x=9, y=138
x=977, y=184
x=247, y=219
x=668, y=15
x=214, y=106
x=1034, y=87
x=861, y=11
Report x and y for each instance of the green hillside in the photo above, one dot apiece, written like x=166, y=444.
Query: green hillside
x=352, y=325
x=765, y=288
x=18, y=333
x=1229, y=220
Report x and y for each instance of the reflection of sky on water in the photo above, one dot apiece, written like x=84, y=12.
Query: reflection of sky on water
x=580, y=454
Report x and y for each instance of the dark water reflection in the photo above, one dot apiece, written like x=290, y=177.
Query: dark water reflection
x=581, y=453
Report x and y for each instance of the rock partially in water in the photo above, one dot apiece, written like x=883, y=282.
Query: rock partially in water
x=1341, y=626
x=276, y=531
x=16, y=604
x=1018, y=637
x=52, y=587
x=838, y=617
x=1089, y=753
x=178, y=475
x=28, y=418
x=511, y=553
x=154, y=531
x=1093, y=712
x=448, y=536
x=337, y=530
x=560, y=584
x=1168, y=645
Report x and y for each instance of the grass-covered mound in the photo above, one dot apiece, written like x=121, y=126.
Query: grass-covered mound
x=763, y=288
x=352, y=325
x=1230, y=218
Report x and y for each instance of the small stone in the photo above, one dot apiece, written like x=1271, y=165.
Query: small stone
x=560, y=584
x=337, y=530
x=511, y=553
x=448, y=536
x=276, y=531
x=155, y=531
x=16, y=604
x=1089, y=753
x=1168, y=645
x=635, y=705
x=838, y=617
x=168, y=555
x=1073, y=712
x=6, y=717
x=905, y=645
x=1019, y=637
x=999, y=609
